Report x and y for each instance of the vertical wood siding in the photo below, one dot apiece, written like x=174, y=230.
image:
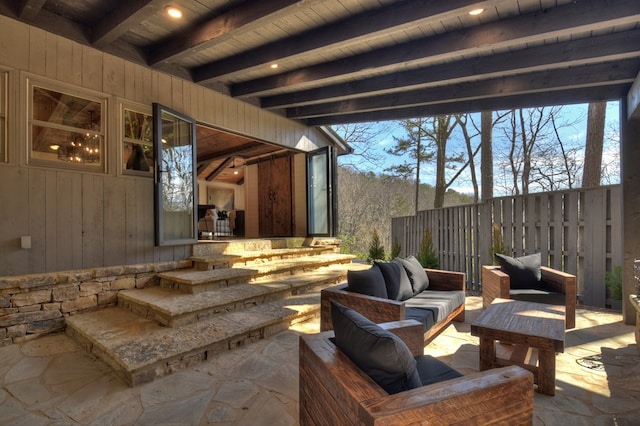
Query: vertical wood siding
x=578, y=231
x=82, y=219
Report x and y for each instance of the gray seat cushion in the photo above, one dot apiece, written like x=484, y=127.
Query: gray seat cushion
x=396, y=280
x=416, y=273
x=423, y=315
x=538, y=296
x=382, y=355
x=524, y=272
x=432, y=370
x=441, y=303
x=370, y=282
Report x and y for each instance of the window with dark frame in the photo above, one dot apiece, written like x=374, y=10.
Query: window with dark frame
x=66, y=129
x=137, y=142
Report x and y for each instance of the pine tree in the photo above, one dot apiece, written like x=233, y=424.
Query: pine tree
x=428, y=256
x=376, y=250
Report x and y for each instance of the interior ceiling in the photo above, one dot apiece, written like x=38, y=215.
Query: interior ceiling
x=346, y=61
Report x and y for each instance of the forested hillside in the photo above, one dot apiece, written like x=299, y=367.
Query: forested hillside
x=367, y=201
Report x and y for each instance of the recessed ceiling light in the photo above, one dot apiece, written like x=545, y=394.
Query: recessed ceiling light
x=476, y=12
x=173, y=12
x=274, y=66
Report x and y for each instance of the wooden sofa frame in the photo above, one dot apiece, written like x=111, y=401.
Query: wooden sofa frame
x=495, y=284
x=380, y=310
x=334, y=391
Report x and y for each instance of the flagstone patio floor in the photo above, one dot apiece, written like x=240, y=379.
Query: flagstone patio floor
x=52, y=381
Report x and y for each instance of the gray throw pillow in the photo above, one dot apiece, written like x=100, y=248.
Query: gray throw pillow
x=524, y=272
x=396, y=280
x=382, y=355
x=416, y=273
x=369, y=282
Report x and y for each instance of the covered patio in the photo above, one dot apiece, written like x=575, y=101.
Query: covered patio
x=276, y=73
x=52, y=381
x=266, y=77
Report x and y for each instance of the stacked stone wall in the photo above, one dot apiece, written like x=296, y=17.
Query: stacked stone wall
x=35, y=305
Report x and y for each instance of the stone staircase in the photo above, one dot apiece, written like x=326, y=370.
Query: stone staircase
x=236, y=293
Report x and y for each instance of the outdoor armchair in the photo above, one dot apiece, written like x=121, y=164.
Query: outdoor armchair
x=333, y=390
x=559, y=288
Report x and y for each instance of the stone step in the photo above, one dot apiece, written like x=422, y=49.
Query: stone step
x=249, y=257
x=164, y=330
x=195, y=281
x=214, y=247
x=217, y=261
x=174, y=309
x=140, y=350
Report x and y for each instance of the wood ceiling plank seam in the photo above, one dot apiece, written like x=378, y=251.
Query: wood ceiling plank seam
x=574, y=77
x=574, y=96
x=123, y=18
x=354, y=29
x=480, y=38
x=236, y=21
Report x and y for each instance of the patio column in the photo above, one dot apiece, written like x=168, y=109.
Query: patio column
x=630, y=178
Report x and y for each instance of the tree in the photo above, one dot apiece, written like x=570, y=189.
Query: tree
x=523, y=130
x=367, y=201
x=426, y=141
x=439, y=132
x=376, y=250
x=428, y=257
x=362, y=137
x=419, y=152
x=486, y=157
x=592, y=172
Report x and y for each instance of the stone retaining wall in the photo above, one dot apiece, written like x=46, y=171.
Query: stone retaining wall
x=37, y=304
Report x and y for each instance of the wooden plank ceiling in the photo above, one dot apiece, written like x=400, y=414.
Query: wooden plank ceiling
x=345, y=61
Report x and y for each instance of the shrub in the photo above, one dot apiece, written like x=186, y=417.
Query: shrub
x=395, y=249
x=376, y=250
x=497, y=243
x=428, y=256
x=614, y=283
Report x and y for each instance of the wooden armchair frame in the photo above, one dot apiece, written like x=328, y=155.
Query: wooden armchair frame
x=334, y=391
x=496, y=284
x=381, y=310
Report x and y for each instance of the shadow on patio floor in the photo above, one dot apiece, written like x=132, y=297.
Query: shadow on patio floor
x=52, y=381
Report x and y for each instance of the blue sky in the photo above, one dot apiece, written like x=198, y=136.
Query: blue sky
x=574, y=134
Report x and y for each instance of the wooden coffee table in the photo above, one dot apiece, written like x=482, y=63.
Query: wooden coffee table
x=529, y=335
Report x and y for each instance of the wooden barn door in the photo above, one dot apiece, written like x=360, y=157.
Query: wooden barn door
x=275, y=197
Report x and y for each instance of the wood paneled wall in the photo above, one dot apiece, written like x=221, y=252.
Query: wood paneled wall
x=81, y=219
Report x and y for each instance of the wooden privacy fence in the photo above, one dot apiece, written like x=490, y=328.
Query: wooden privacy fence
x=577, y=231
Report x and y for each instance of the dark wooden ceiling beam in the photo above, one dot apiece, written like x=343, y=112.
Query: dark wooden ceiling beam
x=561, y=21
x=620, y=72
x=614, y=91
x=61, y=26
x=609, y=47
x=366, y=25
x=237, y=151
x=633, y=100
x=124, y=16
x=30, y=9
x=219, y=169
x=254, y=14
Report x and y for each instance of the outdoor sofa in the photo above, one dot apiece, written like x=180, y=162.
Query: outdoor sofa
x=433, y=297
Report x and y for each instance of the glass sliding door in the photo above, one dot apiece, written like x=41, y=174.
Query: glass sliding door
x=320, y=198
x=175, y=177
